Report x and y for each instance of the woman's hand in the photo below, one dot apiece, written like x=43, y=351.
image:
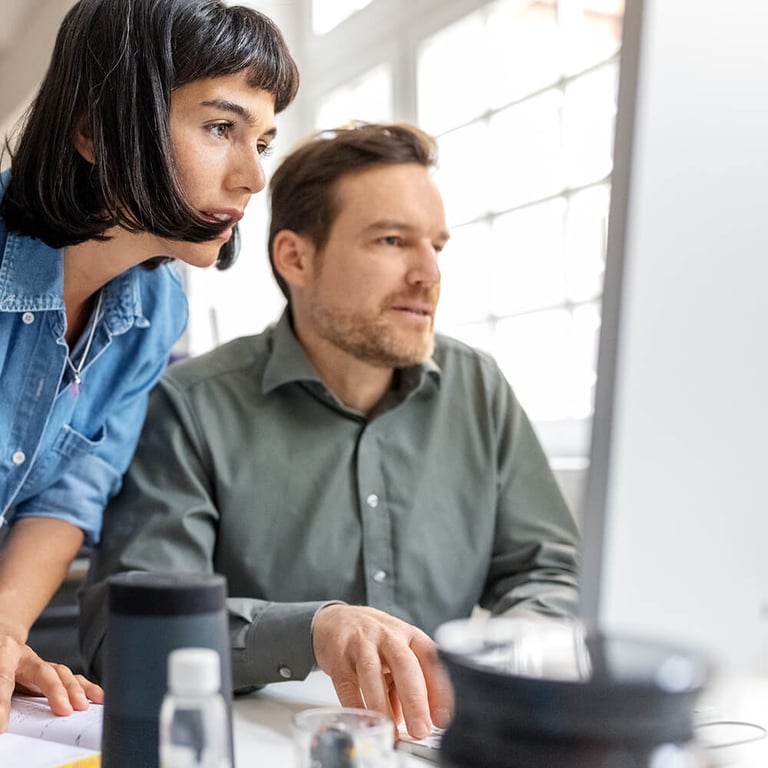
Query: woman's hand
x=23, y=671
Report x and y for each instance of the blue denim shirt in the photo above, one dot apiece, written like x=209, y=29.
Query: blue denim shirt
x=63, y=453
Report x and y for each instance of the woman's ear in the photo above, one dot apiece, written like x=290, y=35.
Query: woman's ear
x=83, y=141
x=292, y=256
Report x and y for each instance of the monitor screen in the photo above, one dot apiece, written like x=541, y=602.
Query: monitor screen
x=676, y=507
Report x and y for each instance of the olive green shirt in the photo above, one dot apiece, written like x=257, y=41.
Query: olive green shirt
x=440, y=500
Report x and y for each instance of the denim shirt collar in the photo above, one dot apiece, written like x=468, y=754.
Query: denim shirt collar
x=32, y=280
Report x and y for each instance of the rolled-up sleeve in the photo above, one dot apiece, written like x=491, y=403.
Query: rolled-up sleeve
x=95, y=466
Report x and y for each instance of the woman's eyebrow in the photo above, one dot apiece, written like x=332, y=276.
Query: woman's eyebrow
x=240, y=111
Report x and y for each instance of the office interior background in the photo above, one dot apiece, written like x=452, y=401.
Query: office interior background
x=522, y=97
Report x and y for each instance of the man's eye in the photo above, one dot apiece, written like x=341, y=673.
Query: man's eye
x=391, y=240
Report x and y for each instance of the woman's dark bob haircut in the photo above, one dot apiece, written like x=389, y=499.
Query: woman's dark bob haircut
x=114, y=67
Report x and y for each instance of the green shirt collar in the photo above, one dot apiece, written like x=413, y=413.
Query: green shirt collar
x=288, y=363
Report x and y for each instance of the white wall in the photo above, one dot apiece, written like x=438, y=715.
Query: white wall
x=27, y=33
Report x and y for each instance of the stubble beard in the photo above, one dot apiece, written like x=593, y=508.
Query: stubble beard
x=370, y=338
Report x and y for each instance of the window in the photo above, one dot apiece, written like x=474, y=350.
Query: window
x=524, y=116
x=368, y=97
x=327, y=14
x=522, y=96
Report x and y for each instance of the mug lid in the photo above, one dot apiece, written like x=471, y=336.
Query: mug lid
x=139, y=593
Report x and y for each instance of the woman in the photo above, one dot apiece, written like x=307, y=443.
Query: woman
x=142, y=147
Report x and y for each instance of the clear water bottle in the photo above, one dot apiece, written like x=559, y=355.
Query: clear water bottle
x=194, y=724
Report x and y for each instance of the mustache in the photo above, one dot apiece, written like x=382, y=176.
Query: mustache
x=427, y=296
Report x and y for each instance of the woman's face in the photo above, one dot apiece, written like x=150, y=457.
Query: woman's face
x=220, y=128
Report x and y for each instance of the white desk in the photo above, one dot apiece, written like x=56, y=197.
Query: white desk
x=263, y=721
x=738, y=700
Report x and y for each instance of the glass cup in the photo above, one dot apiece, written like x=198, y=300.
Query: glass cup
x=343, y=737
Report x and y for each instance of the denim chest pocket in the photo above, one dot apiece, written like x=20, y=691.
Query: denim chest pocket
x=53, y=463
x=70, y=443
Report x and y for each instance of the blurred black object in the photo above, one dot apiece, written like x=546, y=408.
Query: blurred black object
x=551, y=693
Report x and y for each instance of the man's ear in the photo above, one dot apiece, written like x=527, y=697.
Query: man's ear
x=83, y=141
x=292, y=256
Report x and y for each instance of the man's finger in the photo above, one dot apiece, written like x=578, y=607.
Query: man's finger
x=347, y=690
x=439, y=689
x=370, y=678
x=394, y=702
x=408, y=677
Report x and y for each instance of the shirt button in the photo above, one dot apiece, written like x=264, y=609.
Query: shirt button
x=285, y=672
x=379, y=576
x=27, y=318
x=372, y=501
x=18, y=458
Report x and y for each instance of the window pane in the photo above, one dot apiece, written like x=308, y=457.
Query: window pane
x=548, y=358
x=467, y=270
x=585, y=233
x=591, y=32
x=533, y=351
x=530, y=263
x=463, y=173
x=586, y=339
x=588, y=116
x=479, y=335
x=452, y=88
x=522, y=46
x=327, y=14
x=526, y=152
x=368, y=98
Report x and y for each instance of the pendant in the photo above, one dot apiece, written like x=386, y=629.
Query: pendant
x=74, y=387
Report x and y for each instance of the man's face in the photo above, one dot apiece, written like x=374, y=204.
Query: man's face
x=372, y=289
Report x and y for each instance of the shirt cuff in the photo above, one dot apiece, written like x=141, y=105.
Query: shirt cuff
x=278, y=645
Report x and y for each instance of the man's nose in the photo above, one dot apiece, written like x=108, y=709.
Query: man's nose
x=425, y=269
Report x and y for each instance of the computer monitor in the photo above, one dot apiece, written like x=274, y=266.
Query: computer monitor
x=676, y=506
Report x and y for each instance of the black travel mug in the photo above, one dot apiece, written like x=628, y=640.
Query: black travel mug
x=151, y=614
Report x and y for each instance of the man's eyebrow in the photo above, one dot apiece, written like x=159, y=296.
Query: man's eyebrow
x=383, y=224
x=240, y=111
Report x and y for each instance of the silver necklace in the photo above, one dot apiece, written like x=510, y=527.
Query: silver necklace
x=76, y=371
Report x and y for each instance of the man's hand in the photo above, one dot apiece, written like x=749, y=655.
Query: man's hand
x=382, y=663
x=22, y=670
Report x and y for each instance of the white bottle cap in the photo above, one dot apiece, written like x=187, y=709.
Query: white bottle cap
x=194, y=671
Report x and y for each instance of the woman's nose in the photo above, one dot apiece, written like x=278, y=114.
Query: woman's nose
x=248, y=170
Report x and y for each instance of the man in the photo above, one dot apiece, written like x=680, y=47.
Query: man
x=357, y=480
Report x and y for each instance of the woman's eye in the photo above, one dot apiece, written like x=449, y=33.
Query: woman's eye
x=265, y=150
x=220, y=130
